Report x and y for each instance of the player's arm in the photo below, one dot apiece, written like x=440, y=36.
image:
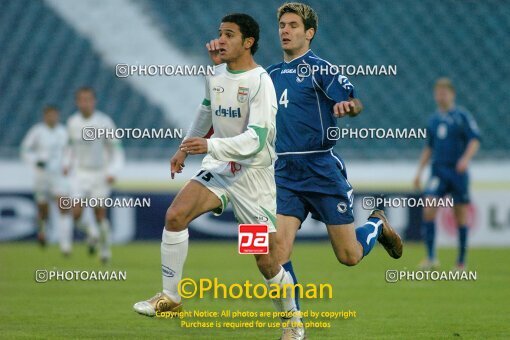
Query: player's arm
x=252, y=140
x=28, y=148
x=473, y=135
x=339, y=89
x=195, y=138
x=116, y=155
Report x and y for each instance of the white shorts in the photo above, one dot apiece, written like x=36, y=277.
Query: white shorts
x=252, y=192
x=90, y=184
x=49, y=186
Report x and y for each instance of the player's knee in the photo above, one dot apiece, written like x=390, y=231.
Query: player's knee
x=175, y=219
x=348, y=258
x=429, y=214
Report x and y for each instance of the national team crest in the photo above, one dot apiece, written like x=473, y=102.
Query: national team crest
x=242, y=94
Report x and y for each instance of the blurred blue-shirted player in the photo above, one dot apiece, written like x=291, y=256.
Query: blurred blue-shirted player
x=310, y=176
x=453, y=139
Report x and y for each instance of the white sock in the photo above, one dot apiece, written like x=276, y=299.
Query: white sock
x=287, y=304
x=174, y=249
x=65, y=232
x=104, y=239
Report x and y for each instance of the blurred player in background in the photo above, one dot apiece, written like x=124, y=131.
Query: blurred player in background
x=310, y=177
x=240, y=106
x=453, y=140
x=94, y=164
x=43, y=148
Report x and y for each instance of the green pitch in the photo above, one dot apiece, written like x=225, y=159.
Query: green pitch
x=408, y=310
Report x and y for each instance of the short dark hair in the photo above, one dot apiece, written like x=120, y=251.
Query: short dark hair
x=49, y=108
x=85, y=89
x=247, y=25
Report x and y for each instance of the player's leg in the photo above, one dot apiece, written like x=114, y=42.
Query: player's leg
x=437, y=186
x=285, y=236
x=254, y=194
x=429, y=235
x=351, y=244
x=42, y=220
x=99, y=187
x=42, y=196
x=460, y=211
x=193, y=200
x=291, y=211
x=460, y=195
x=105, y=253
x=64, y=228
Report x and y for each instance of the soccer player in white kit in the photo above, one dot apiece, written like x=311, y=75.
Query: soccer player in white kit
x=43, y=148
x=93, y=163
x=240, y=107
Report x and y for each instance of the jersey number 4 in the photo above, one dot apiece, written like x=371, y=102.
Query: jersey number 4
x=283, y=99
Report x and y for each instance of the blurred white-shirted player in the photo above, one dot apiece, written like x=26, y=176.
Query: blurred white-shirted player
x=43, y=148
x=93, y=164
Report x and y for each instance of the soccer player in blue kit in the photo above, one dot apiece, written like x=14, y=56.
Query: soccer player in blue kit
x=453, y=140
x=310, y=176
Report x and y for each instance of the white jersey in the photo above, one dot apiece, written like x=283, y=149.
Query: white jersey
x=100, y=154
x=241, y=109
x=45, y=145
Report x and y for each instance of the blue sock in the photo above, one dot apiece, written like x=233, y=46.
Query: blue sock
x=429, y=234
x=288, y=267
x=463, y=232
x=368, y=233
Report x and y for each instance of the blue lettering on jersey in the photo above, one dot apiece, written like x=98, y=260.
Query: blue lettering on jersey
x=306, y=94
x=230, y=112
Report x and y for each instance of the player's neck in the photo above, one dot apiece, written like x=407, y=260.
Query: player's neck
x=446, y=108
x=241, y=64
x=289, y=55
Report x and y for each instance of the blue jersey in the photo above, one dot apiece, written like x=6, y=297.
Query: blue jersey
x=448, y=135
x=307, y=88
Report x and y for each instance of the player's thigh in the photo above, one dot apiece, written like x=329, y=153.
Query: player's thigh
x=253, y=197
x=100, y=213
x=438, y=185
x=193, y=200
x=287, y=227
x=345, y=244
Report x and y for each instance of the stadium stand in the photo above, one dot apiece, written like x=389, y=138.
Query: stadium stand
x=44, y=61
x=423, y=38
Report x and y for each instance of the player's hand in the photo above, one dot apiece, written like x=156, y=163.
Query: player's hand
x=177, y=162
x=416, y=183
x=110, y=179
x=462, y=165
x=343, y=108
x=213, y=47
x=194, y=146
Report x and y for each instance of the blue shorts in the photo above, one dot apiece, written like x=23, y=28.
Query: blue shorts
x=313, y=183
x=446, y=180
